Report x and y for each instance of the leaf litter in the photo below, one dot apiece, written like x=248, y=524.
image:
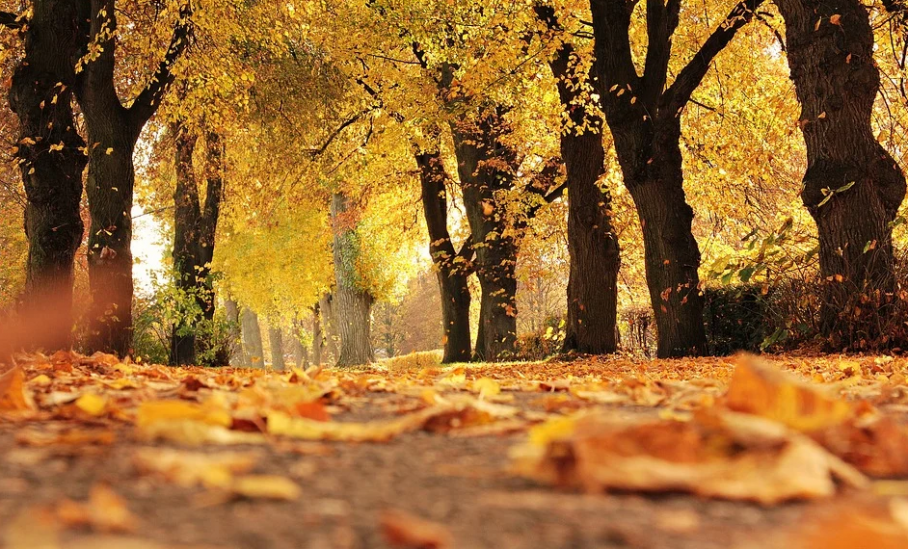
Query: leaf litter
x=736, y=429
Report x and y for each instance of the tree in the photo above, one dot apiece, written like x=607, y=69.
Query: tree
x=113, y=130
x=353, y=303
x=853, y=187
x=252, y=339
x=452, y=266
x=644, y=116
x=195, y=227
x=592, y=301
x=50, y=154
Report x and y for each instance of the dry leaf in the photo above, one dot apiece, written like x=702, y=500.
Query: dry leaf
x=105, y=511
x=770, y=393
x=729, y=456
x=402, y=529
x=12, y=391
x=266, y=487
x=194, y=468
x=196, y=433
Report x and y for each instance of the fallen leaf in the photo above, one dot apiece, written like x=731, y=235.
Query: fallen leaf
x=12, y=391
x=401, y=529
x=723, y=455
x=92, y=404
x=266, y=487
x=105, y=511
x=211, y=470
x=764, y=391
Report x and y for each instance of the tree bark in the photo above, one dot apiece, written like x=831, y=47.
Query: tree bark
x=643, y=114
x=452, y=267
x=485, y=166
x=353, y=304
x=276, y=340
x=252, y=339
x=232, y=311
x=112, y=133
x=51, y=159
x=853, y=187
x=592, y=292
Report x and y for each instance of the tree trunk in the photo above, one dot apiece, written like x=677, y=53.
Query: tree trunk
x=276, y=340
x=592, y=292
x=111, y=177
x=671, y=255
x=643, y=113
x=452, y=268
x=300, y=356
x=185, y=244
x=232, y=312
x=316, y=336
x=853, y=187
x=485, y=166
x=329, y=320
x=195, y=228
x=252, y=339
x=51, y=159
x=353, y=304
x=112, y=133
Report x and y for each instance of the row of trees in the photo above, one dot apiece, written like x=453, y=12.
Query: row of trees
x=289, y=143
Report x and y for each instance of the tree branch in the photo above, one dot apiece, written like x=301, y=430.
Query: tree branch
x=614, y=62
x=690, y=76
x=11, y=20
x=317, y=151
x=661, y=22
x=150, y=98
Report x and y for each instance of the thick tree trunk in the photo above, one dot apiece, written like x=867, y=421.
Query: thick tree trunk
x=252, y=339
x=353, y=305
x=317, y=336
x=592, y=292
x=853, y=187
x=452, y=268
x=485, y=166
x=276, y=341
x=232, y=312
x=671, y=255
x=643, y=113
x=112, y=133
x=51, y=158
x=111, y=177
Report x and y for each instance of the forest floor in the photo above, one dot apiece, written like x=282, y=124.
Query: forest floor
x=724, y=453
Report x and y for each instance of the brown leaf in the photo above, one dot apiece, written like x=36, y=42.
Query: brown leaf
x=402, y=529
x=12, y=391
x=105, y=511
x=764, y=391
x=727, y=455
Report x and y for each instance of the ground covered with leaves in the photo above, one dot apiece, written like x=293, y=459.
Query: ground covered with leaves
x=739, y=452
